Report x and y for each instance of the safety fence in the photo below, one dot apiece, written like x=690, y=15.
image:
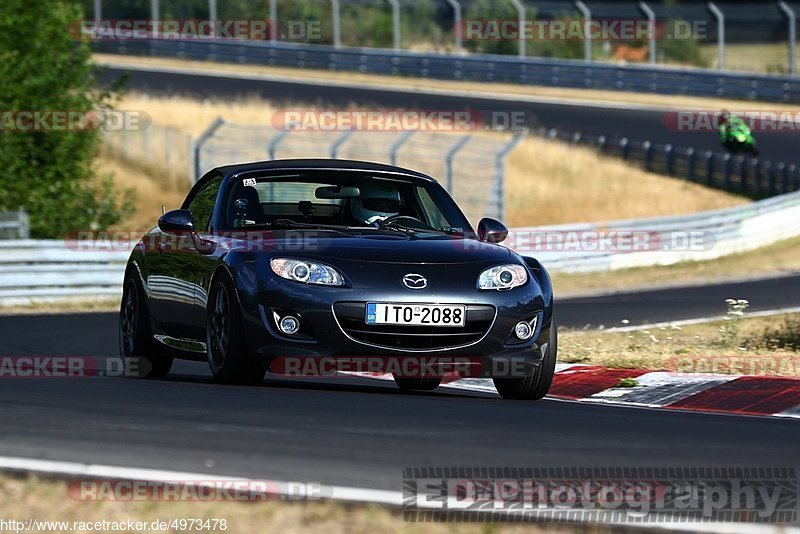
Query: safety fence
x=48, y=271
x=471, y=166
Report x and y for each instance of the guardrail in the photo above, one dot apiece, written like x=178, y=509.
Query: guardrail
x=751, y=177
x=47, y=271
x=624, y=244
x=476, y=67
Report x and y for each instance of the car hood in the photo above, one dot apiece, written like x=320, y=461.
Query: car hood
x=382, y=248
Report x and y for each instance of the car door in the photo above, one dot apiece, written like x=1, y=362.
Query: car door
x=174, y=278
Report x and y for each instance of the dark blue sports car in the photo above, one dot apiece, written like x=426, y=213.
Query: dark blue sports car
x=273, y=263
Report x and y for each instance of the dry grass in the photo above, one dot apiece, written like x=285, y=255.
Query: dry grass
x=448, y=86
x=551, y=182
x=777, y=259
x=152, y=191
x=764, y=58
x=46, y=500
x=692, y=348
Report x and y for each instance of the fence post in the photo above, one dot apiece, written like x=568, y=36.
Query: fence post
x=24, y=224
x=456, y=23
x=587, y=20
x=395, y=24
x=499, y=176
x=339, y=142
x=520, y=24
x=98, y=14
x=273, y=20
x=601, y=143
x=796, y=184
x=742, y=161
x=273, y=143
x=717, y=12
x=709, y=168
x=790, y=14
x=337, y=24
x=690, y=157
x=448, y=161
x=395, y=148
x=647, y=146
x=668, y=159
x=196, y=146
x=651, y=24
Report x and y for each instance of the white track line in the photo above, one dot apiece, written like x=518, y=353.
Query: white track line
x=75, y=469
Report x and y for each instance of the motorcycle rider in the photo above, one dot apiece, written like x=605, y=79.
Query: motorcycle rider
x=727, y=125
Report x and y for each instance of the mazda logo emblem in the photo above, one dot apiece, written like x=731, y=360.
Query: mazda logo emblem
x=415, y=281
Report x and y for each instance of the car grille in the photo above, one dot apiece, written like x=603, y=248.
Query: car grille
x=350, y=316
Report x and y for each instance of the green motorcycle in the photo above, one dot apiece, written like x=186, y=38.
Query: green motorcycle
x=738, y=138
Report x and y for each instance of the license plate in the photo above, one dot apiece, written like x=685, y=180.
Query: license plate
x=415, y=314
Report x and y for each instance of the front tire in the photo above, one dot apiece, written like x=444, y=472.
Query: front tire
x=142, y=355
x=226, y=348
x=536, y=383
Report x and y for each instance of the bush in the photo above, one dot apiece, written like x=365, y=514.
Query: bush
x=50, y=173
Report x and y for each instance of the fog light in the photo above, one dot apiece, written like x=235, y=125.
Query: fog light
x=523, y=330
x=289, y=325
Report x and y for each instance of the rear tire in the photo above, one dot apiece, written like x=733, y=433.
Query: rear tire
x=536, y=383
x=418, y=383
x=143, y=356
x=226, y=347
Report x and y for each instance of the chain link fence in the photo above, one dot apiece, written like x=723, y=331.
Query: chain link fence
x=471, y=166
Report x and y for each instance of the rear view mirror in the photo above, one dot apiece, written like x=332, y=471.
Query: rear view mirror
x=336, y=192
x=491, y=231
x=176, y=221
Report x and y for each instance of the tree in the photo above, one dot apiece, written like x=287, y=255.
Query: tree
x=50, y=171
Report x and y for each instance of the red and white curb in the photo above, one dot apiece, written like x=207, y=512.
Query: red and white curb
x=745, y=395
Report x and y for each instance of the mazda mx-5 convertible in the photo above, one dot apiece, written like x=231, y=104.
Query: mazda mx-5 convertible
x=269, y=266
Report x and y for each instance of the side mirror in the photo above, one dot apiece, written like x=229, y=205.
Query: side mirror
x=491, y=231
x=176, y=221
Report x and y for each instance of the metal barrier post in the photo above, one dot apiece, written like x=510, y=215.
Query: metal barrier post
x=790, y=14
x=273, y=20
x=690, y=157
x=499, y=176
x=337, y=24
x=212, y=15
x=456, y=23
x=624, y=148
x=98, y=14
x=24, y=224
x=448, y=162
x=717, y=12
x=728, y=168
x=709, y=168
x=395, y=24
x=651, y=24
x=647, y=146
x=669, y=154
x=395, y=148
x=339, y=142
x=273, y=143
x=587, y=20
x=196, y=146
x=521, y=23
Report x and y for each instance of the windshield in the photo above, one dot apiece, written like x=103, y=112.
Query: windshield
x=342, y=199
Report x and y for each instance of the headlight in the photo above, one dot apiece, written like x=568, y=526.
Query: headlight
x=306, y=272
x=503, y=277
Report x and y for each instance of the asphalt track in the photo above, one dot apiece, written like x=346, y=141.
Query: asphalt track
x=640, y=124
x=353, y=431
